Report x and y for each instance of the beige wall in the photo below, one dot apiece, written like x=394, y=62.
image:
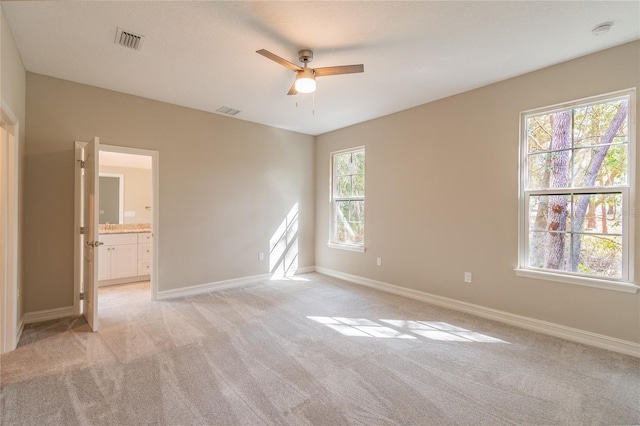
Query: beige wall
x=225, y=186
x=442, y=197
x=12, y=93
x=137, y=192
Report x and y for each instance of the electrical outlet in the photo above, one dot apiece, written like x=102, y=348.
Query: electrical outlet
x=261, y=256
x=379, y=261
x=467, y=277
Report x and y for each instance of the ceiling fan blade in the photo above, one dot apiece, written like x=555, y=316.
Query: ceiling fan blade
x=343, y=69
x=293, y=90
x=278, y=59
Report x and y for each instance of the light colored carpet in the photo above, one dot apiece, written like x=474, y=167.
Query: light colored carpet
x=310, y=351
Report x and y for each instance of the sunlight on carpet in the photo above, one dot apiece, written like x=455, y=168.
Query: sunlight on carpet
x=401, y=329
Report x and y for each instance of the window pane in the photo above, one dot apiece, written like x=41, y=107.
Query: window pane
x=549, y=170
x=357, y=237
x=358, y=185
x=538, y=206
x=599, y=255
x=344, y=187
x=350, y=222
x=550, y=212
x=342, y=210
x=341, y=232
x=539, y=133
x=623, y=133
x=342, y=164
x=598, y=213
x=612, y=161
x=550, y=250
x=538, y=171
x=536, y=249
x=592, y=122
x=358, y=163
x=356, y=211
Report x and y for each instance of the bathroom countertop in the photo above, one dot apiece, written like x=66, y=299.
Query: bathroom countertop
x=124, y=229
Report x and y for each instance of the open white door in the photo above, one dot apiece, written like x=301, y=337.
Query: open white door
x=88, y=214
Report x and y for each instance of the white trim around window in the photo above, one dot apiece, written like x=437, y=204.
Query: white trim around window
x=347, y=199
x=346, y=247
x=530, y=190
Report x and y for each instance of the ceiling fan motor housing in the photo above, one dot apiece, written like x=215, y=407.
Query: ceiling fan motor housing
x=305, y=56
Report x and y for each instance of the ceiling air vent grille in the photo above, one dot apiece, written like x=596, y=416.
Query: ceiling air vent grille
x=228, y=111
x=128, y=39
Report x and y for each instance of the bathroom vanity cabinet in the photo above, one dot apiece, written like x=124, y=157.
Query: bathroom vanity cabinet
x=124, y=258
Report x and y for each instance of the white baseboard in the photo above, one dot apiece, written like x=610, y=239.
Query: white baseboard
x=305, y=270
x=205, y=288
x=48, y=314
x=222, y=285
x=557, y=330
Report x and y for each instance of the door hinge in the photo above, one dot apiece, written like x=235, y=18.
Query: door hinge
x=82, y=230
x=81, y=296
x=82, y=164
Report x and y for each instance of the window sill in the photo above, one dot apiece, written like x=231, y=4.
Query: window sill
x=583, y=281
x=346, y=247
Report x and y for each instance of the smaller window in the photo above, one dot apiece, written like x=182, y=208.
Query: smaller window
x=347, y=199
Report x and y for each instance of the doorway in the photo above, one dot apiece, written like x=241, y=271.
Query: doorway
x=92, y=238
x=128, y=217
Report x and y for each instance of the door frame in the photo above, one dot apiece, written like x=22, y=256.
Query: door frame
x=155, y=203
x=10, y=259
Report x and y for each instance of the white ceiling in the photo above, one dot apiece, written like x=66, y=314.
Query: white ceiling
x=202, y=54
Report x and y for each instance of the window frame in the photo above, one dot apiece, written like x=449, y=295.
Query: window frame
x=332, y=201
x=626, y=282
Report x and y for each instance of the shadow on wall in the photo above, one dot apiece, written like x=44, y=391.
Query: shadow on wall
x=283, y=247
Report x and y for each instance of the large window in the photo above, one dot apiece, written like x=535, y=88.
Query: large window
x=347, y=199
x=576, y=188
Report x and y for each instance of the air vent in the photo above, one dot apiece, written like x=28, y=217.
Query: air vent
x=128, y=39
x=228, y=111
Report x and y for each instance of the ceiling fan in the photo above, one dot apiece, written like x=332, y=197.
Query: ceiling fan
x=306, y=77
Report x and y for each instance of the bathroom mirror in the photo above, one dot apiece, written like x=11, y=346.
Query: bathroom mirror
x=111, y=198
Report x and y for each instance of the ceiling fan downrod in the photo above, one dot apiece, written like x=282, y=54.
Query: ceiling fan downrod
x=305, y=56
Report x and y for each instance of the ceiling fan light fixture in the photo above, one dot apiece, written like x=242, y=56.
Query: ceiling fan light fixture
x=306, y=81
